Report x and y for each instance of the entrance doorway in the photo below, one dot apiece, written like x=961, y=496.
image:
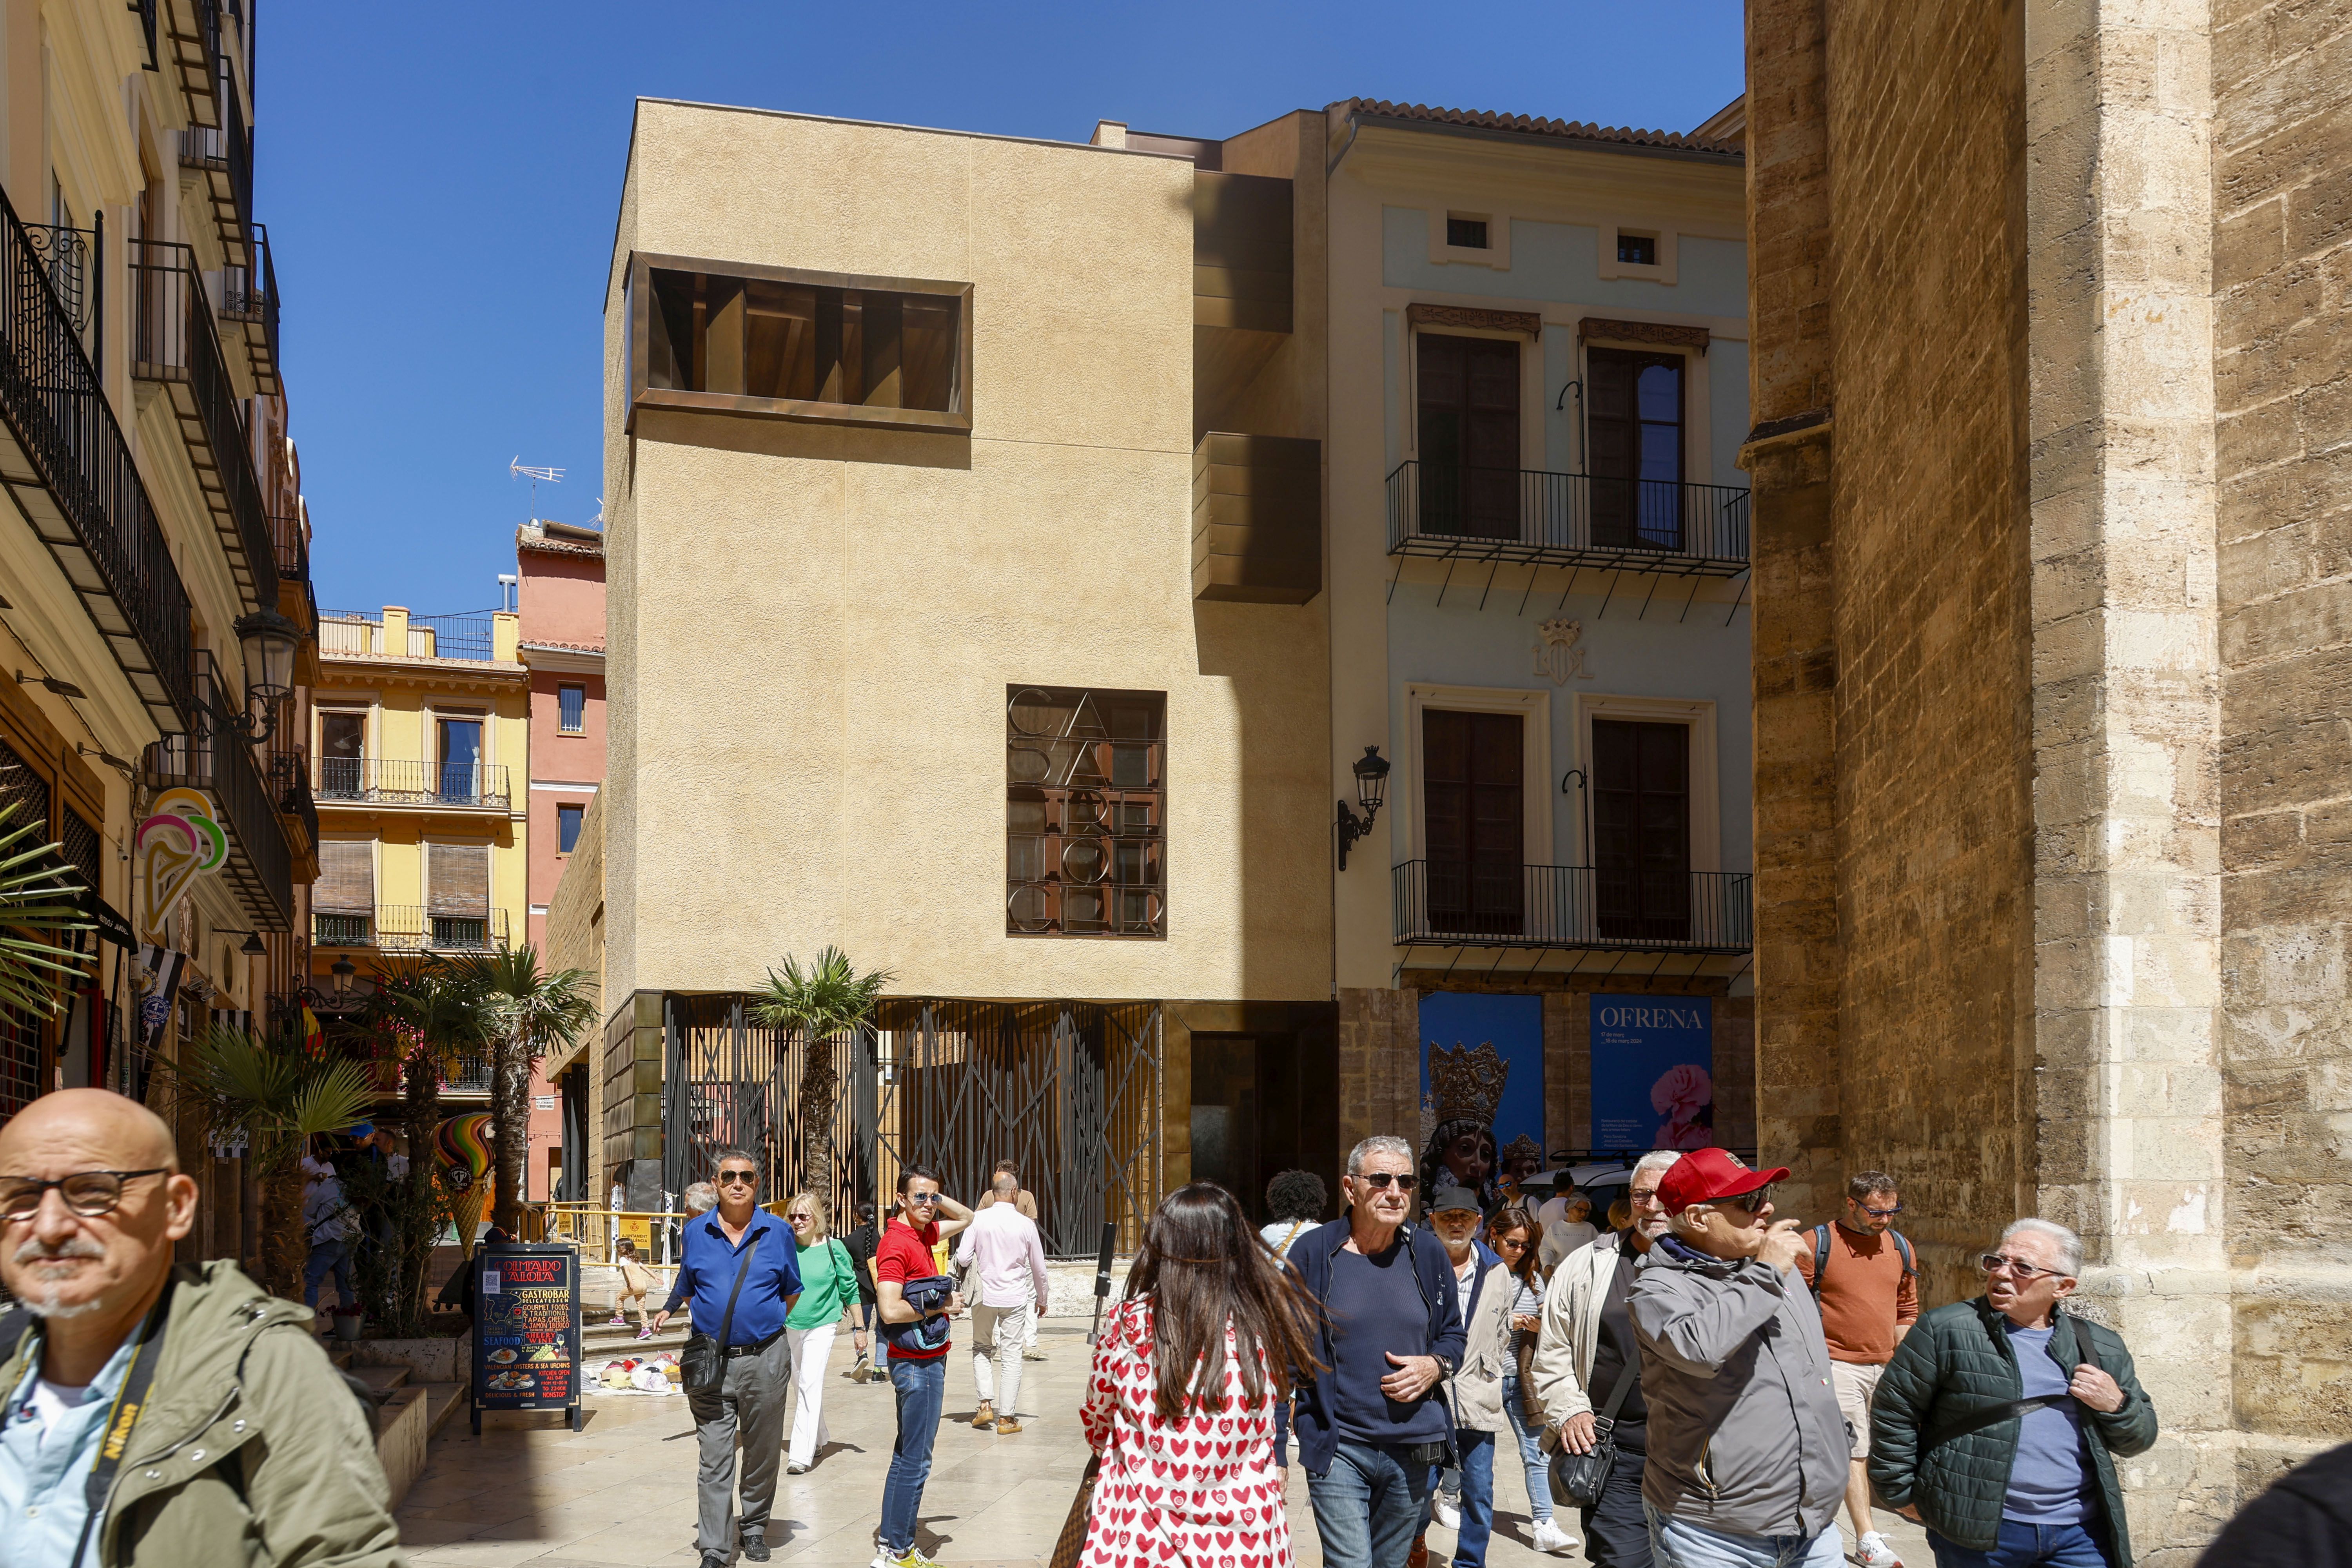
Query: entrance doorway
x=1261, y=1104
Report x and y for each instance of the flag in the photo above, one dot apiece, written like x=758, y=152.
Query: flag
x=314, y=1039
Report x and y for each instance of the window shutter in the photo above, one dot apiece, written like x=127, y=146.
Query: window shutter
x=459, y=877
x=346, y=882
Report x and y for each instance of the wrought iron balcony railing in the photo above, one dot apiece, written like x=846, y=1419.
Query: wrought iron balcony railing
x=289, y=777
x=1531, y=517
x=75, y=269
x=175, y=340
x=470, y=1075
x=429, y=636
x=293, y=551
x=97, y=521
x=1451, y=904
x=395, y=780
x=409, y=928
x=212, y=756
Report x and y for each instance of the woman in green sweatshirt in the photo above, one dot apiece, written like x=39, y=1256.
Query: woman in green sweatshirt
x=828, y=1285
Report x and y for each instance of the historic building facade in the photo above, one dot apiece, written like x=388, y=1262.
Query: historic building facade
x=2047, y=459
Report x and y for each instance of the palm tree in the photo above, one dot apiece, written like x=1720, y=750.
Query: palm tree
x=824, y=1002
x=273, y=1098
x=39, y=894
x=433, y=1010
x=525, y=1014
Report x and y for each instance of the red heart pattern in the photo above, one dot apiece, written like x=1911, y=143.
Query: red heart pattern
x=1200, y=1492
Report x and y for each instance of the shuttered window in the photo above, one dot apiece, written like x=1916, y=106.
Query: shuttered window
x=457, y=881
x=346, y=882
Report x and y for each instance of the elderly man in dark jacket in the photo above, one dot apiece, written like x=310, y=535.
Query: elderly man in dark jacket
x=1374, y=1424
x=1998, y=1422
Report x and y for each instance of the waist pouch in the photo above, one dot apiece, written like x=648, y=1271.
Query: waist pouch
x=929, y=1332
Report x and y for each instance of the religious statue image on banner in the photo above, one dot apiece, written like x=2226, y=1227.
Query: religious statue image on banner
x=1481, y=1092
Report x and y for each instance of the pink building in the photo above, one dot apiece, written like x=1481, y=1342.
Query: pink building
x=562, y=568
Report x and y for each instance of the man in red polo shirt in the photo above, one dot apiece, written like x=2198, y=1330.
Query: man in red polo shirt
x=907, y=1255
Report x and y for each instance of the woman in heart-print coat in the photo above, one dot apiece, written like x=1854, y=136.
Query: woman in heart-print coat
x=1179, y=1404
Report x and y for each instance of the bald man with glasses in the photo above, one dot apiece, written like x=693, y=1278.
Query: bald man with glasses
x=195, y=1408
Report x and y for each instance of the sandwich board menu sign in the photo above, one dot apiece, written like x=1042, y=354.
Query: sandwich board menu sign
x=527, y=1329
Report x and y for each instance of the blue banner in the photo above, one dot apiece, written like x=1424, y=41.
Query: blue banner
x=1481, y=1067
x=1653, y=1072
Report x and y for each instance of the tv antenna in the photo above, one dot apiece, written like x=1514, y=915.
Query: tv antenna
x=518, y=468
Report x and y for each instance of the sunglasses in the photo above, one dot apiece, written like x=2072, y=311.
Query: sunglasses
x=1753, y=1203
x=1382, y=1179
x=1880, y=1214
x=927, y=1199
x=737, y=1179
x=2024, y=1273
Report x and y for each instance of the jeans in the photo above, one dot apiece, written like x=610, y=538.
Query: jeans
x=1474, y=1483
x=1369, y=1505
x=324, y=1256
x=1675, y=1543
x=2023, y=1546
x=1531, y=1454
x=922, y=1391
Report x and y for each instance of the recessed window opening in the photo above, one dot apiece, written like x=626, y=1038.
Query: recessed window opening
x=1466, y=233
x=758, y=337
x=571, y=708
x=1637, y=249
x=1084, y=812
x=567, y=827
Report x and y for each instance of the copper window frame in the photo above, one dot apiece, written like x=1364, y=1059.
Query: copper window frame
x=637, y=299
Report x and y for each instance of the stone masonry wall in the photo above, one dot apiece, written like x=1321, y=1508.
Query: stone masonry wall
x=1930, y=614
x=2282, y=79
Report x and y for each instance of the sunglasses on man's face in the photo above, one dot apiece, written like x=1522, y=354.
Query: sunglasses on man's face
x=924, y=1198
x=1751, y=1203
x=2023, y=1272
x=1381, y=1180
x=737, y=1178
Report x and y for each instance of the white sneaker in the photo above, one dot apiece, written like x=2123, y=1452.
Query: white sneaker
x=1550, y=1537
x=1449, y=1512
x=1872, y=1551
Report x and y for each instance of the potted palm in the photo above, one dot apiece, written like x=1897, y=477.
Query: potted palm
x=430, y=1013
x=525, y=1014
x=823, y=1003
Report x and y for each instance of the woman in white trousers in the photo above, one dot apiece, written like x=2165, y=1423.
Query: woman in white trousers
x=828, y=1287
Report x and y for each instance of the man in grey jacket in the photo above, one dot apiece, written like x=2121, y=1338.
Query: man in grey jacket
x=1747, y=1448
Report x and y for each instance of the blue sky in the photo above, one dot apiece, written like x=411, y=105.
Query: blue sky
x=439, y=183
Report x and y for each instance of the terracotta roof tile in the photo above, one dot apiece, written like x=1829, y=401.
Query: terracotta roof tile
x=1532, y=125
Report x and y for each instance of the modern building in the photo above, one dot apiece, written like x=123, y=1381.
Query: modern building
x=560, y=571
x=155, y=611
x=1037, y=443
x=419, y=747
x=2049, y=459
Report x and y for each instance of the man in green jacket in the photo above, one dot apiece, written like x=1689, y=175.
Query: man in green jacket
x=1998, y=1422
x=159, y=1414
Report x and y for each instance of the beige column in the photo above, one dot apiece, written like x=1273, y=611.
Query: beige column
x=2127, y=714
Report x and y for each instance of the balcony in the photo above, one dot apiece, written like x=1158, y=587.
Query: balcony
x=1448, y=904
x=353, y=634
x=66, y=463
x=409, y=928
x=249, y=311
x=174, y=342
x=216, y=145
x=290, y=781
x=395, y=780
x=210, y=755
x=1533, y=518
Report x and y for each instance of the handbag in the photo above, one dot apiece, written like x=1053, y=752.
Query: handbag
x=702, y=1365
x=1072, y=1542
x=1577, y=1479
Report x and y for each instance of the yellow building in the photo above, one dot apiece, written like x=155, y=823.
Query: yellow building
x=420, y=730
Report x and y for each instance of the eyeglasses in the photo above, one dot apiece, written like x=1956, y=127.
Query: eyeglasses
x=86, y=1193
x=738, y=1178
x=2026, y=1273
x=1382, y=1179
x=1880, y=1214
x=1641, y=1194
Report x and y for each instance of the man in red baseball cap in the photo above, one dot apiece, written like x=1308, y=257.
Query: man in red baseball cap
x=1748, y=1449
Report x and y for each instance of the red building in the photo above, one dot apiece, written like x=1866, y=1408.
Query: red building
x=561, y=569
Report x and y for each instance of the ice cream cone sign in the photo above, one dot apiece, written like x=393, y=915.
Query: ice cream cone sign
x=181, y=840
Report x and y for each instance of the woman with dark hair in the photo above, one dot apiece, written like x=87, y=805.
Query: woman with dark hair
x=1511, y=1233
x=1296, y=1199
x=1195, y=1357
x=1461, y=1153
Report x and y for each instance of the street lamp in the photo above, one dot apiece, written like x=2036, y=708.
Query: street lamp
x=1371, y=771
x=343, y=970
x=253, y=947
x=269, y=640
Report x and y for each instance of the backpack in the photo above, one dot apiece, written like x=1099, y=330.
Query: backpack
x=1822, y=1257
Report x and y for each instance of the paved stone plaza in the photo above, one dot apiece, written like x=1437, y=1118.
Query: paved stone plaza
x=621, y=1491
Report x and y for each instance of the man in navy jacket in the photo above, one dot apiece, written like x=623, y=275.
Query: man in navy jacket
x=1370, y=1427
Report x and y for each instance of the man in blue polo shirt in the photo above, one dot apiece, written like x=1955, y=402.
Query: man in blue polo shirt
x=737, y=1238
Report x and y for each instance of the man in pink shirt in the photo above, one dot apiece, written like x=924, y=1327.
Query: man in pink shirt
x=1008, y=1260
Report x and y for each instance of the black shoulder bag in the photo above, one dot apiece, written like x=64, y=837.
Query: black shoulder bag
x=702, y=1365
x=1577, y=1479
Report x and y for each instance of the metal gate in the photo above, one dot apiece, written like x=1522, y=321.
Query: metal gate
x=730, y=1081
x=1069, y=1091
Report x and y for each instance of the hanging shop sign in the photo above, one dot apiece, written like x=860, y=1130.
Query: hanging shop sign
x=181, y=840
